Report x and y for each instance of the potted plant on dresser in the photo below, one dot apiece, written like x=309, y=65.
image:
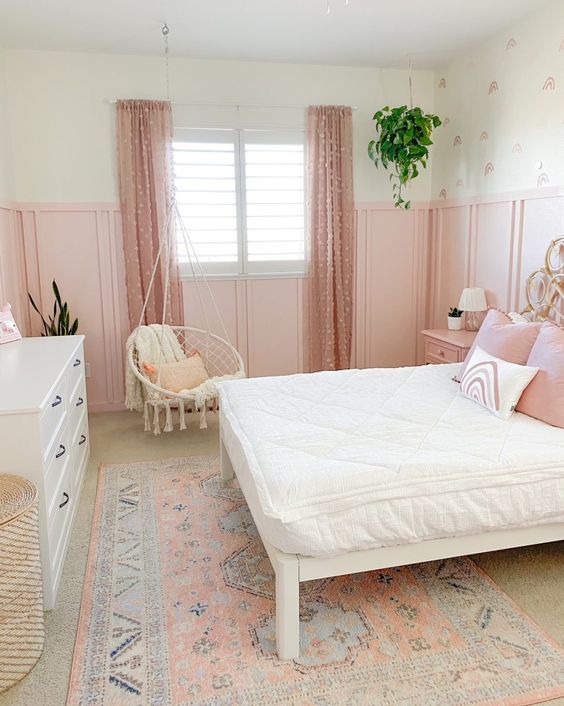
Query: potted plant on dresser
x=454, y=319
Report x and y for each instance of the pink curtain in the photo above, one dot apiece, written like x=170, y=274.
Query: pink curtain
x=144, y=143
x=331, y=234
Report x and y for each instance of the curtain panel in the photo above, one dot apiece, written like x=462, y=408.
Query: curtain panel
x=331, y=236
x=144, y=146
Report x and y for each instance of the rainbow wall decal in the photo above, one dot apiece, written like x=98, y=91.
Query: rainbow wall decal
x=481, y=384
x=494, y=88
x=489, y=169
x=443, y=193
x=457, y=141
x=442, y=83
x=511, y=44
x=517, y=148
x=543, y=180
x=484, y=137
x=549, y=84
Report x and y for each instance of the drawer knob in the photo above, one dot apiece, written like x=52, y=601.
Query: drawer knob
x=76, y=363
x=65, y=501
x=82, y=440
x=61, y=452
x=79, y=402
x=57, y=401
x=441, y=352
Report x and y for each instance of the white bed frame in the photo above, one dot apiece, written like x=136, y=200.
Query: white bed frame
x=291, y=569
x=545, y=300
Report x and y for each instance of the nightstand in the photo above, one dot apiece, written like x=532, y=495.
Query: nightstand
x=444, y=346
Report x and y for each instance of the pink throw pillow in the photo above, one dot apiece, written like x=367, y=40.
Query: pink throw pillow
x=500, y=337
x=544, y=397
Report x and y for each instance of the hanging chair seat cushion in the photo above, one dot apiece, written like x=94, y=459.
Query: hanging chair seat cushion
x=181, y=375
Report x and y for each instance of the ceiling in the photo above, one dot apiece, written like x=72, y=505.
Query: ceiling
x=364, y=33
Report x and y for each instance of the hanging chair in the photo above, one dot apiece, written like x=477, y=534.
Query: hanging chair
x=169, y=344
x=175, y=343
x=222, y=362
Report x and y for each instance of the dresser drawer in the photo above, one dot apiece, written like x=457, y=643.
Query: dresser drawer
x=56, y=464
x=441, y=353
x=53, y=413
x=80, y=447
x=76, y=404
x=59, y=521
x=75, y=370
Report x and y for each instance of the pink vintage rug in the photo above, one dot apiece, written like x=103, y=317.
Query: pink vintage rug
x=178, y=609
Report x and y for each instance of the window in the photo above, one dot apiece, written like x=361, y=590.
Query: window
x=240, y=195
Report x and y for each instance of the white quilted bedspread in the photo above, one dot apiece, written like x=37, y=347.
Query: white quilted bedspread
x=332, y=442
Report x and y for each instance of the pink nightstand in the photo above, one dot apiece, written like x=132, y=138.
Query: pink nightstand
x=444, y=346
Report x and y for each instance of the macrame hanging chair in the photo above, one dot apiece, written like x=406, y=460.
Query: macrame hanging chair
x=173, y=343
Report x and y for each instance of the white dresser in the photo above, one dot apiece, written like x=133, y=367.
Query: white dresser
x=44, y=436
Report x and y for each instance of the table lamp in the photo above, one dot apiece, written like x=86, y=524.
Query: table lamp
x=472, y=299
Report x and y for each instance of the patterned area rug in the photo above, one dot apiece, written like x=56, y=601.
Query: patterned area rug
x=178, y=608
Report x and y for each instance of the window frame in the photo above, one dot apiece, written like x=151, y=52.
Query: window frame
x=242, y=269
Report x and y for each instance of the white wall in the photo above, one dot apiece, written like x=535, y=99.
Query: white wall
x=63, y=126
x=5, y=155
x=516, y=128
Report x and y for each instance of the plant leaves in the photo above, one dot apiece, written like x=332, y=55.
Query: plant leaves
x=404, y=135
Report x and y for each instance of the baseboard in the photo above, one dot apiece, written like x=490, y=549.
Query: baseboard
x=106, y=407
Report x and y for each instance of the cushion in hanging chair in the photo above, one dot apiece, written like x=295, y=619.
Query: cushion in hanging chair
x=182, y=375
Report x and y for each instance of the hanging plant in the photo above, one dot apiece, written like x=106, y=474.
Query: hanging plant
x=404, y=138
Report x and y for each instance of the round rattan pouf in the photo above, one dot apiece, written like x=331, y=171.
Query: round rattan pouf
x=21, y=589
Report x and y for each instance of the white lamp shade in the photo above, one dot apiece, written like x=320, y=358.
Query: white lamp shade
x=473, y=299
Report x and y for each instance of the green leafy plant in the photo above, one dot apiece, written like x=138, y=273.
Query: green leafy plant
x=455, y=313
x=58, y=324
x=404, y=138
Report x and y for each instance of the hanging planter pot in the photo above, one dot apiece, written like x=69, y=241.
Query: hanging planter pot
x=404, y=138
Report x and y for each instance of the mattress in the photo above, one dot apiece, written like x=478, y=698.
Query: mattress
x=334, y=462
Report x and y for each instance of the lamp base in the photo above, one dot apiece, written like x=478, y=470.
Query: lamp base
x=472, y=323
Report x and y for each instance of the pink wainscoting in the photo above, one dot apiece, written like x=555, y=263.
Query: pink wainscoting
x=392, y=253
x=411, y=266
x=80, y=246
x=493, y=244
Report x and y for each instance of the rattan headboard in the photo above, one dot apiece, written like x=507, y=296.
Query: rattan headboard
x=544, y=290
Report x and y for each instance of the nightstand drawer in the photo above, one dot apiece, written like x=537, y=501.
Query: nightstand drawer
x=441, y=353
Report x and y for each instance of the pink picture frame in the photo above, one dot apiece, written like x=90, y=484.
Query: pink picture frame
x=8, y=328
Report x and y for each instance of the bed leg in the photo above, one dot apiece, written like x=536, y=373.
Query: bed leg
x=225, y=465
x=287, y=607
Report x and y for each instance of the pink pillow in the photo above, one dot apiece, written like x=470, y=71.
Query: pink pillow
x=500, y=337
x=544, y=397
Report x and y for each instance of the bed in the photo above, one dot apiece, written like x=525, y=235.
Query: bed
x=357, y=470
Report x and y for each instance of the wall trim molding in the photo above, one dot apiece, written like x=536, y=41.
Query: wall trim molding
x=478, y=200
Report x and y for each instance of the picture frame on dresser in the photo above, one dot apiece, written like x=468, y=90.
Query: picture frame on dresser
x=44, y=432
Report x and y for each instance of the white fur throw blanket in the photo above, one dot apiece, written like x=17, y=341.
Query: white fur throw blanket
x=154, y=344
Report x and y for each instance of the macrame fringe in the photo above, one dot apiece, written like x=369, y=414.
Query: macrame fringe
x=156, y=419
x=184, y=407
x=181, y=415
x=168, y=423
x=203, y=417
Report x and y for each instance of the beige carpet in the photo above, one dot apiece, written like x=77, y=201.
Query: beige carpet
x=533, y=577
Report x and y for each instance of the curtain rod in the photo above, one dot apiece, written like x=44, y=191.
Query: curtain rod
x=230, y=105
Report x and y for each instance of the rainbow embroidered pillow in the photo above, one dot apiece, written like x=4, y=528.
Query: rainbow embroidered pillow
x=494, y=383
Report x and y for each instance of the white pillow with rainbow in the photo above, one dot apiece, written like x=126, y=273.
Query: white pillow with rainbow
x=494, y=383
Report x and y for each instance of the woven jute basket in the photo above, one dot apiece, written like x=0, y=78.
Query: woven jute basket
x=21, y=588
